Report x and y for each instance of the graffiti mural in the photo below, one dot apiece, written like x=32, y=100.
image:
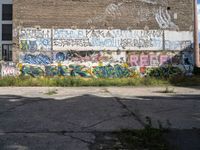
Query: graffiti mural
x=157, y=59
x=109, y=71
x=73, y=70
x=32, y=39
x=102, y=53
x=89, y=56
x=33, y=71
x=86, y=39
x=35, y=58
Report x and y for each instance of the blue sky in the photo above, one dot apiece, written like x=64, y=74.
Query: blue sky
x=198, y=1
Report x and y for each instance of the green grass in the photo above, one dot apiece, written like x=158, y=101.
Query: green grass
x=74, y=81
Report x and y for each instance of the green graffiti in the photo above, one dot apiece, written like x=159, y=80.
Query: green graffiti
x=32, y=71
x=79, y=70
x=57, y=71
x=166, y=72
x=116, y=71
x=108, y=71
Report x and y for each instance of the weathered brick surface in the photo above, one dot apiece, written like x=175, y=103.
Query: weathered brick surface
x=121, y=14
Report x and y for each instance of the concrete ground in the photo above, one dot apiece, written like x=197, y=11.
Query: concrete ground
x=76, y=118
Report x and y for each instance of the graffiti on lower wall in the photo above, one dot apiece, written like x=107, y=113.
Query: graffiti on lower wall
x=89, y=56
x=184, y=60
x=36, y=58
x=72, y=70
x=159, y=59
x=101, y=53
x=91, y=64
x=9, y=69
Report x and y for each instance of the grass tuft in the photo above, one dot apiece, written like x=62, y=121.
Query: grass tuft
x=52, y=92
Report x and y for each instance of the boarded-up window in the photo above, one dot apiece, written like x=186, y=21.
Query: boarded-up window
x=7, y=11
x=6, y=32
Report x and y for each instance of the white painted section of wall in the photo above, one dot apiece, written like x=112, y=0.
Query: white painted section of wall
x=32, y=39
x=175, y=40
x=101, y=39
x=179, y=35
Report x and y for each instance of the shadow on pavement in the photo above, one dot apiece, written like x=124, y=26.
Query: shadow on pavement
x=73, y=123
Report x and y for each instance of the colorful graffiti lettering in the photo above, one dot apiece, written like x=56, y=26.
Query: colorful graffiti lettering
x=89, y=56
x=57, y=71
x=32, y=71
x=159, y=59
x=38, y=59
x=116, y=71
x=102, y=53
x=109, y=71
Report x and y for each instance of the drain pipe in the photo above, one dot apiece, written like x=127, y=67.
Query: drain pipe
x=196, y=36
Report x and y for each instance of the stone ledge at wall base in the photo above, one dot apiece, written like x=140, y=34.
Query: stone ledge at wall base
x=100, y=71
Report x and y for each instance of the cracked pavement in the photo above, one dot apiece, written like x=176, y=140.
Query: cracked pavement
x=30, y=119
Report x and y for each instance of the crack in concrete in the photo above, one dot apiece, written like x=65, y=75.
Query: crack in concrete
x=166, y=110
x=61, y=132
x=124, y=106
x=105, y=120
x=80, y=139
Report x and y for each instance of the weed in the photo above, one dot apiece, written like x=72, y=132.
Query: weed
x=147, y=138
x=52, y=92
x=168, y=90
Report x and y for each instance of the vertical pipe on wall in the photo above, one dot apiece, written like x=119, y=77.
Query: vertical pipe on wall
x=196, y=38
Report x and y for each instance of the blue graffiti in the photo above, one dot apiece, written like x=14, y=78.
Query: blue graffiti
x=60, y=56
x=40, y=59
x=46, y=42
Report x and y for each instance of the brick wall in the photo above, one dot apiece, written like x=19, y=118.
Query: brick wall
x=122, y=14
x=151, y=33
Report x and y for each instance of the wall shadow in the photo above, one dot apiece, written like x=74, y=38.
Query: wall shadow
x=41, y=123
